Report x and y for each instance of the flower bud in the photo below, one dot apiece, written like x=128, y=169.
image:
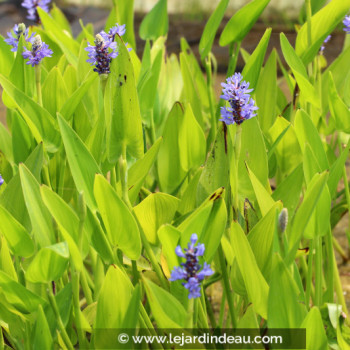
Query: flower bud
x=283, y=220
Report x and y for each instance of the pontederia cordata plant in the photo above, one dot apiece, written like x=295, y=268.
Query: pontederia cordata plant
x=134, y=202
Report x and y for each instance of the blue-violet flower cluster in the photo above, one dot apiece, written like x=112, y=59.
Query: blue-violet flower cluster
x=39, y=51
x=190, y=270
x=101, y=54
x=14, y=36
x=242, y=106
x=346, y=23
x=31, y=6
x=1, y=180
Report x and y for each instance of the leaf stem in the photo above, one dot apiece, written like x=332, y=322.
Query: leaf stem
x=38, y=83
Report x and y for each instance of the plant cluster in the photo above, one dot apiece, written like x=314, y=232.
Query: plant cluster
x=112, y=164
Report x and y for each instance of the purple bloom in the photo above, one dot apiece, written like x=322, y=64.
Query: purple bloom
x=346, y=22
x=15, y=34
x=325, y=42
x=1, y=180
x=39, y=51
x=31, y=6
x=117, y=29
x=190, y=270
x=242, y=106
x=101, y=54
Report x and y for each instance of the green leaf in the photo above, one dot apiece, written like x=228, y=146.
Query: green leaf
x=139, y=170
x=16, y=235
x=216, y=169
x=109, y=314
x=6, y=263
x=315, y=332
x=255, y=284
x=157, y=209
x=339, y=110
x=253, y=66
x=121, y=227
x=60, y=18
x=166, y=309
x=18, y=296
x=49, y=264
x=155, y=23
x=242, y=21
x=266, y=94
x=63, y=38
x=39, y=215
x=304, y=213
x=211, y=27
x=322, y=24
x=288, y=192
x=68, y=222
x=71, y=103
x=54, y=91
x=40, y=121
x=6, y=57
x=82, y=165
x=124, y=126
x=299, y=72
x=307, y=133
x=284, y=308
x=42, y=336
x=169, y=238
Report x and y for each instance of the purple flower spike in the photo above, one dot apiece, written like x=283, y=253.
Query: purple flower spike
x=242, y=106
x=346, y=23
x=190, y=269
x=1, y=180
x=117, y=29
x=14, y=36
x=39, y=51
x=31, y=6
x=100, y=55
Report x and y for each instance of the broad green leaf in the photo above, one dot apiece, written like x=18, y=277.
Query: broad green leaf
x=304, y=213
x=339, y=110
x=6, y=57
x=16, y=235
x=284, y=308
x=6, y=143
x=253, y=66
x=42, y=336
x=307, y=133
x=242, y=21
x=109, y=314
x=54, y=91
x=18, y=296
x=255, y=284
x=322, y=24
x=266, y=94
x=49, y=264
x=71, y=103
x=166, y=309
x=288, y=192
x=123, y=13
x=211, y=27
x=262, y=195
x=121, y=227
x=6, y=263
x=336, y=171
x=139, y=170
x=82, y=165
x=299, y=72
x=63, y=38
x=124, y=126
x=39, y=215
x=288, y=151
x=40, y=121
x=155, y=23
x=169, y=238
x=155, y=210
x=60, y=18
x=216, y=169
x=254, y=155
x=14, y=190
